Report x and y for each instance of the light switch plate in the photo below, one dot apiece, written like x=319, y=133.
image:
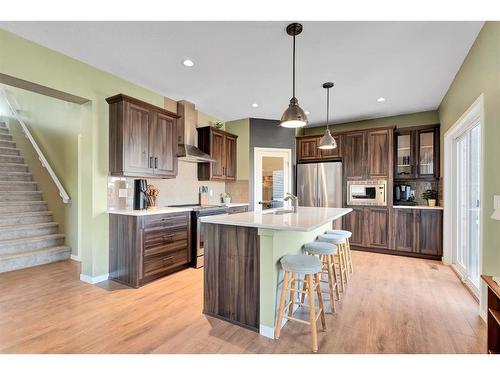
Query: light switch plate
x=496, y=202
x=122, y=193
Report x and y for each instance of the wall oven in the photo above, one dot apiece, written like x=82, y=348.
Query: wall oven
x=367, y=193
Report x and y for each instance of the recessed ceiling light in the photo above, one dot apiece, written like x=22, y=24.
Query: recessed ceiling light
x=255, y=105
x=381, y=100
x=188, y=63
x=307, y=112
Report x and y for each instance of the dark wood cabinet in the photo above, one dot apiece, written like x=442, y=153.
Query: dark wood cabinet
x=416, y=153
x=355, y=223
x=307, y=149
x=142, y=139
x=405, y=230
x=430, y=233
x=145, y=248
x=377, y=227
x=378, y=153
x=354, y=155
x=221, y=146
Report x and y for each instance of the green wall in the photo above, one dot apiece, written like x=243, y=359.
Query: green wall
x=29, y=61
x=401, y=121
x=480, y=74
x=55, y=126
x=241, y=128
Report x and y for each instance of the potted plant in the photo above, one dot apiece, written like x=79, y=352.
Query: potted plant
x=431, y=197
x=219, y=125
x=226, y=198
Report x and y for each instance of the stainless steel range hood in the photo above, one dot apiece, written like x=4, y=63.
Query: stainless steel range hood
x=187, y=135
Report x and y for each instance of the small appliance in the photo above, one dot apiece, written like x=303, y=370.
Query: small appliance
x=140, y=196
x=367, y=193
x=402, y=193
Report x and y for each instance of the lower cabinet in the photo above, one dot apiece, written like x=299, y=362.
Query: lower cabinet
x=237, y=209
x=145, y=248
x=416, y=232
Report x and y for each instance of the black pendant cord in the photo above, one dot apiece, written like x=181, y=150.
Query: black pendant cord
x=293, y=69
x=327, y=107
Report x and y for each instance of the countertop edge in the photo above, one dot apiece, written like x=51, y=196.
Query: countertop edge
x=419, y=207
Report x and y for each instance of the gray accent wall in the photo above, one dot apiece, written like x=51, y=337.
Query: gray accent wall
x=268, y=133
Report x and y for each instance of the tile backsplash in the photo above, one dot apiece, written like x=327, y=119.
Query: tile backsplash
x=181, y=190
x=238, y=191
x=419, y=187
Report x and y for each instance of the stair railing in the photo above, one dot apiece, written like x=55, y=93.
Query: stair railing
x=62, y=192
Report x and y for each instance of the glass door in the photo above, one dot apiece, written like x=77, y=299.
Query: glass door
x=272, y=178
x=467, y=159
x=426, y=154
x=403, y=158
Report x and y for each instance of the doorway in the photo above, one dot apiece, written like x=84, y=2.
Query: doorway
x=272, y=177
x=463, y=196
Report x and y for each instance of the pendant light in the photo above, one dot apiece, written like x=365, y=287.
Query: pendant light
x=327, y=142
x=294, y=116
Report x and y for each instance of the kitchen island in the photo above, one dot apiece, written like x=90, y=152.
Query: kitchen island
x=242, y=253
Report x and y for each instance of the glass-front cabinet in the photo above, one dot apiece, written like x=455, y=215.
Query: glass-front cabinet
x=416, y=153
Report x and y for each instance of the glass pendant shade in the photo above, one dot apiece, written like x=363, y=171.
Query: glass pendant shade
x=327, y=142
x=294, y=116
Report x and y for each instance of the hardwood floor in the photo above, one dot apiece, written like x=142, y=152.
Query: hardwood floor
x=392, y=305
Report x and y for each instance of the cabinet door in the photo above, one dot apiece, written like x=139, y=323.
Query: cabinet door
x=354, y=155
x=163, y=141
x=427, y=155
x=218, y=152
x=378, y=152
x=377, y=227
x=430, y=233
x=307, y=148
x=354, y=222
x=404, y=158
x=230, y=168
x=136, y=153
x=405, y=229
x=333, y=153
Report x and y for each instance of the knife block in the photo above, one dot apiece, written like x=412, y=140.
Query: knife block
x=203, y=199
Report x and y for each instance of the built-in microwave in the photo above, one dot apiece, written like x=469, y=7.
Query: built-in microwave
x=367, y=193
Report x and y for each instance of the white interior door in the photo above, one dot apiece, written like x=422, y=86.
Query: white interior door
x=467, y=198
x=272, y=177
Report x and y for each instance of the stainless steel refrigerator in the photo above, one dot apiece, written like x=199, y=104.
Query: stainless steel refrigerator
x=319, y=184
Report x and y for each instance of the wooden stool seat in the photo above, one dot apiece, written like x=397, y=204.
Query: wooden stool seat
x=320, y=248
x=340, y=232
x=347, y=235
x=340, y=241
x=310, y=267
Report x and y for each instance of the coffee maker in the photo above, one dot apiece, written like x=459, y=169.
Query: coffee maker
x=403, y=193
x=140, y=197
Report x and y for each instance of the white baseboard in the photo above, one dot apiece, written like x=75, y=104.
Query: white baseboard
x=269, y=331
x=76, y=258
x=93, y=280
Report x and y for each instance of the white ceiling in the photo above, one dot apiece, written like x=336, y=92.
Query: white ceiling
x=411, y=64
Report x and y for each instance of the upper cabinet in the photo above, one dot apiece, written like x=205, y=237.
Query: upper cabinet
x=142, y=139
x=221, y=146
x=416, y=153
x=307, y=148
x=354, y=155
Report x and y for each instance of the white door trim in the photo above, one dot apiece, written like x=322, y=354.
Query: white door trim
x=469, y=119
x=258, y=153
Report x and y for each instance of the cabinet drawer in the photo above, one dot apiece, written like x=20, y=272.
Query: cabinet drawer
x=237, y=210
x=159, y=264
x=167, y=221
x=164, y=247
x=156, y=236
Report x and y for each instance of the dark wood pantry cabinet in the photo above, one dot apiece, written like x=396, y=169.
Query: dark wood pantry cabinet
x=142, y=139
x=221, y=146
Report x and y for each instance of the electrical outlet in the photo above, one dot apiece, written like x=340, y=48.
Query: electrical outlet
x=496, y=202
x=122, y=193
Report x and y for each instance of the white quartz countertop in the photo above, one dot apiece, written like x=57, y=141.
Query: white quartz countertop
x=421, y=207
x=305, y=220
x=165, y=210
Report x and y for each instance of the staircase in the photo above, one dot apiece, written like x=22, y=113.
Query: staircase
x=28, y=235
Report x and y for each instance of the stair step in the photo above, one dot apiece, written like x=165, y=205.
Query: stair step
x=3, y=125
x=20, y=196
x=11, y=159
x=15, y=176
x=10, y=144
x=6, y=137
x=22, y=218
x=12, y=232
x=17, y=261
x=9, y=151
x=13, y=167
x=22, y=245
x=17, y=185
x=15, y=207
x=4, y=130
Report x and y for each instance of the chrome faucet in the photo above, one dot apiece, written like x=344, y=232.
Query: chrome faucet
x=295, y=201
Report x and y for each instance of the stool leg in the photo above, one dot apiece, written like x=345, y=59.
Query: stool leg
x=292, y=294
x=341, y=278
x=281, y=307
x=330, y=283
x=320, y=301
x=335, y=277
x=343, y=272
x=304, y=290
x=351, y=269
x=312, y=313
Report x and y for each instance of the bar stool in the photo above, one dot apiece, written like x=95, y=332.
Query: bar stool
x=326, y=253
x=347, y=235
x=310, y=267
x=340, y=242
